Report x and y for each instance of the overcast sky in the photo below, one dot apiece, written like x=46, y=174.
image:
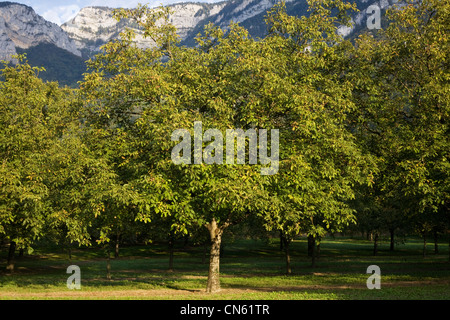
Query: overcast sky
x=61, y=11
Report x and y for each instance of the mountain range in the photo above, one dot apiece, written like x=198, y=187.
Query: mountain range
x=62, y=50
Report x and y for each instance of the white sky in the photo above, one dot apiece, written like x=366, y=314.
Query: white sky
x=62, y=11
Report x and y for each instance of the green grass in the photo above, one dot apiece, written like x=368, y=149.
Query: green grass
x=249, y=270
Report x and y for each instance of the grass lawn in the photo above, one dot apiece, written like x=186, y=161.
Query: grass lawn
x=250, y=269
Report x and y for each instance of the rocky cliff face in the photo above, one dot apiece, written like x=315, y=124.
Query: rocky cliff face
x=22, y=30
x=21, y=27
x=242, y=10
x=187, y=16
x=91, y=28
x=94, y=26
x=7, y=46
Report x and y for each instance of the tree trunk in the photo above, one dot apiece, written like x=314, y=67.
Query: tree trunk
x=69, y=252
x=108, y=264
x=288, y=258
x=286, y=243
x=311, y=245
x=391, y=247
x=375, y=244
x=215, y=232
x=424, y=252
x=436, y=248
x=171, y=244
x=10, y=261
x=116, y=249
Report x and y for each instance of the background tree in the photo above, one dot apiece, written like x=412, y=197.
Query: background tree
x=321, y=161
x=170, y=96
x=400, y=85
x=31, y=119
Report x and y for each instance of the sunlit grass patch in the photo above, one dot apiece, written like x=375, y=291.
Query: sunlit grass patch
x=249, y=270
